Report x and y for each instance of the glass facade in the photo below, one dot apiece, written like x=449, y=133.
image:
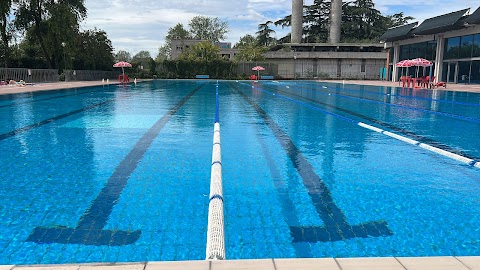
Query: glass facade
x=426, y=50
x=461, y=65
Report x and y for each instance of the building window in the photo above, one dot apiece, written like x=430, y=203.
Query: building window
x=362, y=67
x=476, y=46
x=452, y=46
x=466, y=46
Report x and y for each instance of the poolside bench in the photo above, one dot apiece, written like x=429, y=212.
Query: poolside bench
x=202, y=77
x=266, y=77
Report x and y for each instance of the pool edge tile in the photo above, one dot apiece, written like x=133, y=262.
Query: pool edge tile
x=367, y=263
x=264, y=264
x=306, y=264
x=428, y=263
x=178, y=265
x=472, y=262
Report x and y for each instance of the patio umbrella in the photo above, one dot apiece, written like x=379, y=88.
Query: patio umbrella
x=258, y=68
x=404, y=63
x=421, y=62
x=122, y=65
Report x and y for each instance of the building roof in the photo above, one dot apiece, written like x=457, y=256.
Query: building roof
x=442, y=23
x=397, y=33
x=474, y=18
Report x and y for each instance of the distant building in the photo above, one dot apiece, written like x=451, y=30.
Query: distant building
x=451, y=41
x=179, y=45
x=325, y=60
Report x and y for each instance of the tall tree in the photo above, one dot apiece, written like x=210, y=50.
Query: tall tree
x=34, y=14
x=5, y=8
x=94, y=51
x=316, y=20
x=264, y=34
x=164, y=53
x=207, y=28
x=398, y=19
x=123, y=56
x=245, y=41
x=205, y=51
x=142, y=58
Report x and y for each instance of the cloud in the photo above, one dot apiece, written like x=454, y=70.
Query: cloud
x=135, y=25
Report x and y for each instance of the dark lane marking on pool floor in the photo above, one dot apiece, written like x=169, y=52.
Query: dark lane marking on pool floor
x=368, y=100
x=413, y=135
x=50, y=120
x=336, y=226
x=50, y=98
x=89, y=230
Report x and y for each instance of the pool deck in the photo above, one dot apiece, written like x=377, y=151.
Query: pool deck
x=387, y=263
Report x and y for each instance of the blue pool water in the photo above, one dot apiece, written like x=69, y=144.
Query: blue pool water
x=115, y=174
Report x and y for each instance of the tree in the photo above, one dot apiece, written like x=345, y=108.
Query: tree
x=142, y=58
x=264, y=34
x=5, y=37
x=94, y=51
x=34, y=14
x=205, y=51
x=206, y=28
x=316, y=20
x=398, y=19
x=245, y=42
x=177, y=32
x=123, y=56
x=164, y=53
x=251, y=53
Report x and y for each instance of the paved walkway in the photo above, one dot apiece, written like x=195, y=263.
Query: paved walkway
x=48, y=86
x=388, y=263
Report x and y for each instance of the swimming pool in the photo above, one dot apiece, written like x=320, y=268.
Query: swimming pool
x=123, y=174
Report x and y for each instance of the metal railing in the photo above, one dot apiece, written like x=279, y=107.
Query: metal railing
x=29, y=75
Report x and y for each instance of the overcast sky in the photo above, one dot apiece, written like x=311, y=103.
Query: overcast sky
x=136, y=25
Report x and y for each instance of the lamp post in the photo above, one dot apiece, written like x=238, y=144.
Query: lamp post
x=64, y=61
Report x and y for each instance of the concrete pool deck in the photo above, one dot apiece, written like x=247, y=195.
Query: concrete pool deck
x=386, y=263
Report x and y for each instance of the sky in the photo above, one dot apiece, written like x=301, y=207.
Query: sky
x=137, y=25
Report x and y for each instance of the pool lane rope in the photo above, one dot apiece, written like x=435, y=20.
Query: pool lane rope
x=469, y=161
x=216, y=231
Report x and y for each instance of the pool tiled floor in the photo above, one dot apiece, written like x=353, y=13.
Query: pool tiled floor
x=389, y=263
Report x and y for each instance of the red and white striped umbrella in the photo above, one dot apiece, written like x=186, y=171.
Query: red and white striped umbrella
x=258, y=68
x=420, y=62
x=404, y=63
x=122, y=64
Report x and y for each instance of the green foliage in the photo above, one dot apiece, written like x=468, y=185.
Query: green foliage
x=45, y=18
x=207, y=28
x=245, y=42
x=264, y=34
x=203, y=51
x=93, y=51
x=361, y=22
x=5, y=30
x=187, y=69
x=178, y=31
x=143, y=60
x=123, y=56
x=251, y=53
x=164, y=53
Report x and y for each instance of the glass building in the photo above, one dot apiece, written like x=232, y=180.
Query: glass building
x=451, y=42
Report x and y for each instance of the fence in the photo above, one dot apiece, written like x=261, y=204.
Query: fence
x=90, y=75
x=29, y=75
